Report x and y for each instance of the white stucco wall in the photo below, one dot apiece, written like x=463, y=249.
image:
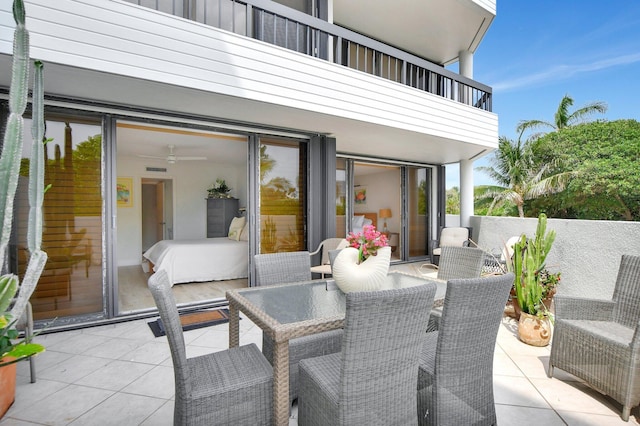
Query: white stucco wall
x=587, y=252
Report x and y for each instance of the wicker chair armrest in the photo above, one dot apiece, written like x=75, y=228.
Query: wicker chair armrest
x=317, y=250
x=635, y=342
x=567, y=307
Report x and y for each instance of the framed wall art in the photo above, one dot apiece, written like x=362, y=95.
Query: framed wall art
x=361, y=195
x=124, y=192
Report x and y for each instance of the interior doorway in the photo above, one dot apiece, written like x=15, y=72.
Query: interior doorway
x=157, y=211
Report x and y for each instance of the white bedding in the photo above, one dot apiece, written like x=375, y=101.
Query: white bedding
x=209, y=259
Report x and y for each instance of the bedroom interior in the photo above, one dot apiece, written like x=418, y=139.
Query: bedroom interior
x=170, y=170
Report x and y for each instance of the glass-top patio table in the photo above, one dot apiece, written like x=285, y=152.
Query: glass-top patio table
x=287, y=311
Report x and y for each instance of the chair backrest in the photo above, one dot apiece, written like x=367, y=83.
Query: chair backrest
x=160, y=288
x=278, y=268
x=507, y=250
x=383, y=335
x=467, y=336
x=460, y=262
x=453, y=236
x=626, y=293
x=331, y=244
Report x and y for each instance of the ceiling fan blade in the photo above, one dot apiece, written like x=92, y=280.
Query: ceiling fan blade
x=151, y=156
x=179, y=158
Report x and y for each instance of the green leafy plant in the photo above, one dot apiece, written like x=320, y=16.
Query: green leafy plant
x=528, y=265
x=219, y=189
x=12, y=307
x=12, y=348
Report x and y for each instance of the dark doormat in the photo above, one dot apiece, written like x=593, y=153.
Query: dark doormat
x=193, y=320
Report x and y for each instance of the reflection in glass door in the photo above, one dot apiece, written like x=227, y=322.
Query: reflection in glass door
x=283, y=183
x=71, y=283
x=341, y=197
x=418, y=184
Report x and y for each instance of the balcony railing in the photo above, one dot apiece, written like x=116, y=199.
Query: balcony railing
x=277, y=24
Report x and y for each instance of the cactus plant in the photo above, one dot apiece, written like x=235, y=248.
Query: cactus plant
x=12, y=350
x=528, y=261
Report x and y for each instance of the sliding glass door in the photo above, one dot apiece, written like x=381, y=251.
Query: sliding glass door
x=71, y=283
x=395, y=198
x=283, y=192
x=418, y=208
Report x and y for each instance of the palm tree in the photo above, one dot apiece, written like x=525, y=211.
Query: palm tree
x=562, y=118
x=518, y=176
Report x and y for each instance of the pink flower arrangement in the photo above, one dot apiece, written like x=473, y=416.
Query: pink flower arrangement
x=367, y=242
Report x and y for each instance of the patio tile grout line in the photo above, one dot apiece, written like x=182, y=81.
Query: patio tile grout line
x=532, y=384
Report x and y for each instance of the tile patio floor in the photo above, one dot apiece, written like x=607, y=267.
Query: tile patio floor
x=121, y=375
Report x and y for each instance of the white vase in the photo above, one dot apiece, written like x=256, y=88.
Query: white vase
x=366, y=276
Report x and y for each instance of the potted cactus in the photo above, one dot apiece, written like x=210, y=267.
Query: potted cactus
x=13, y=294
x=533, y=283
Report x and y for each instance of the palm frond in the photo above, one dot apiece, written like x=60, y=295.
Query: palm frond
x=581, y=114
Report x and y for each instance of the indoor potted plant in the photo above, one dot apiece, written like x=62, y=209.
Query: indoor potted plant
x=219, y=189
x=533, y=283
x=13, y=350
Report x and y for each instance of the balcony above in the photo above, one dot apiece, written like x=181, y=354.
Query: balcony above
x=306, y=75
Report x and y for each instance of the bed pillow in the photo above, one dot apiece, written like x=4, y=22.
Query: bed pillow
x=244, y=235
x=236, y=228
x=356, y=223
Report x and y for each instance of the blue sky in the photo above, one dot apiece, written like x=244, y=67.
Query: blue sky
x=536, y=52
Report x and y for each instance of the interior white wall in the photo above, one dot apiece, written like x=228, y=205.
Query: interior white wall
x=190, y=182
x=383, y=192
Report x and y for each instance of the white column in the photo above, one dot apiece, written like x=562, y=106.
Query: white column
x=466, y=192
x=465, y=63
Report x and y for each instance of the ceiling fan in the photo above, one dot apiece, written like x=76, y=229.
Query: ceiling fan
x=171, y=158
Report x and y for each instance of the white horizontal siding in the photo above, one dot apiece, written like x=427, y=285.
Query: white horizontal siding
x=123, y=39
x=488, y=5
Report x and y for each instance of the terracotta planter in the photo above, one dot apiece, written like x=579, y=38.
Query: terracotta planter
x=533, y=330
x=8, y=387
x=516, y=308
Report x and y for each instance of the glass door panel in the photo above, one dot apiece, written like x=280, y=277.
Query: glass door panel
x=283, y=183
x=418, y=202
x=341, y=197
x=377, y=190
x=71, y=283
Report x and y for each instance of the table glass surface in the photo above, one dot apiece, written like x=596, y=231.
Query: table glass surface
x=297, y=302
x=312, y=300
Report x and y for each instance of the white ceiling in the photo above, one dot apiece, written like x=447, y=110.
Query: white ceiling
x=455, y=24
x=143, y=139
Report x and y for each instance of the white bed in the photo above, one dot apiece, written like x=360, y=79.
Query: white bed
x=209, y=259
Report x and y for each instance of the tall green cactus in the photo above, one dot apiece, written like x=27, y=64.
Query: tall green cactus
x=528, y=260
x=9, y=175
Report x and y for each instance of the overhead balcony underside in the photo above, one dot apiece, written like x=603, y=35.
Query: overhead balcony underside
x=123, y=54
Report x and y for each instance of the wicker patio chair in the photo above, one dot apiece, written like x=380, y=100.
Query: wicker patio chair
x=599, y=340
x=456, y=262
x=450, y=236
x=280, y=268
x=231, y=387
x=324, y=268
x=372, y=381
x=455, y=379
